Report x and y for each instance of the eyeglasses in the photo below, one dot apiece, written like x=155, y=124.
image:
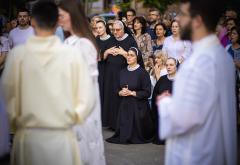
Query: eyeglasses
x=117, y=30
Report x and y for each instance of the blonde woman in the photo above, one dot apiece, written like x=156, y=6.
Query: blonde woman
x=160, y=68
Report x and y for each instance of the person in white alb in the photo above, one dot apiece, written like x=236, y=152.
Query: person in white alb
x=48, y=89
x=23, y=31
x=199, y=119
x=89, y=133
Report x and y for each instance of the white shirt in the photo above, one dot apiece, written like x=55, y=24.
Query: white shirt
x=176, y=48
x=163, y=72
x=19, y=36
x=4, y=44
x=199, y=120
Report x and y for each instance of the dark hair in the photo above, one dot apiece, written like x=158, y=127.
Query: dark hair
x=213, y=10
x=131, y=10
x=79, y=21
x=154, y=9
x=229, y=8
x=160, y=24
x=173, y=22
x=232, y=19
x=105, y=24
x=45, y=14
x=22, y=9
x=138, y=54
x=143, y=22
x=1, y=31
x=120, y=15
x=237, y=29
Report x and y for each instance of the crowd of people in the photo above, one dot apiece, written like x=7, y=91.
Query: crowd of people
x=64, y=77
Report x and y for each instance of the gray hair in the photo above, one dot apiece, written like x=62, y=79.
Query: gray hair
x=120, y=23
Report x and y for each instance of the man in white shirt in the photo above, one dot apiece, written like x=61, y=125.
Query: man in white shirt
x=199, y=119
x=23, y=31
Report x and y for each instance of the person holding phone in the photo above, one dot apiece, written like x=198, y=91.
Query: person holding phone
x=134, y=124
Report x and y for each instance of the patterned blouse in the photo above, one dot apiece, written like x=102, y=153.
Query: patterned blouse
x=145, y=45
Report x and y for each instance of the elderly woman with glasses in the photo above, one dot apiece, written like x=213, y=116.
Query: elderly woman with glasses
x=115, y=58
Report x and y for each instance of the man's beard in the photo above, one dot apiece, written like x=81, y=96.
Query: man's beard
x=152, y=22
x=23, y=23
x=186, y=33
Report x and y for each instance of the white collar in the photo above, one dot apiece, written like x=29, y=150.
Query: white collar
x=205, y=42
x=105, y=38
x=134, y=68
x=123, y=37
x=71, y=39
x=171, y=78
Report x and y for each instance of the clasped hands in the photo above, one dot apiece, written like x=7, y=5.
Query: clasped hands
x=116, y=51
x=126, y=92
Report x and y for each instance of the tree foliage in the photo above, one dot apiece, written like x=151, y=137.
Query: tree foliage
x=160, y=4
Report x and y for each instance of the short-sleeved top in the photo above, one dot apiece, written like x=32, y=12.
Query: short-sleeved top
x=235, y=53
x=19, y=36
x=4, y=44
x=176, y=48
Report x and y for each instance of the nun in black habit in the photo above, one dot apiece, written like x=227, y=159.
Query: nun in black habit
x=104, y=41
x=115, y=61
x=165, y=83
x=134, y=124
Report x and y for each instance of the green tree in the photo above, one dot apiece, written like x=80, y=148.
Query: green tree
x=160, y=4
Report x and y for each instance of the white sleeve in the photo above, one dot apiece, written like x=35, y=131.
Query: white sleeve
x=10, y=87
x=90, y=54
x=192, y=98
x=85, y=95
x=164, y=49
x=5, y=45
x=187, y=49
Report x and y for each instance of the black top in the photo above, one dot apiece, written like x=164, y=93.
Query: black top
x=103, y=45
x=113, y=66
x=134, y=123
x=163, y=84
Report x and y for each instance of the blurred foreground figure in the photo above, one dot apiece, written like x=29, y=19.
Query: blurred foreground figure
x=48, y=89
x=4, y=131
x=89, y=133
x=199, y=119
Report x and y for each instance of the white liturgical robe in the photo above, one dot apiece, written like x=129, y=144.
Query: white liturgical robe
x=199, y=119
x=48, y=89
x=90, y=132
